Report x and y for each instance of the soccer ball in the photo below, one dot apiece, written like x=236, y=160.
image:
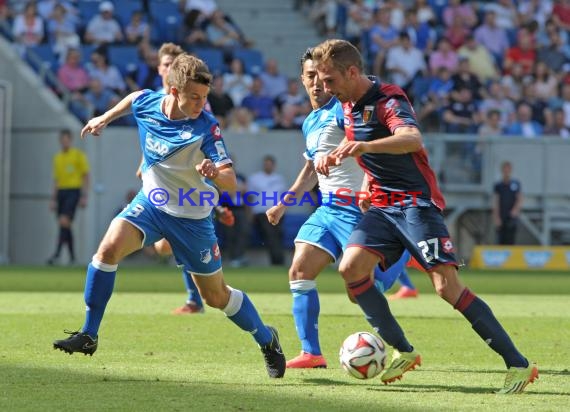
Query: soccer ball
x=363, y=355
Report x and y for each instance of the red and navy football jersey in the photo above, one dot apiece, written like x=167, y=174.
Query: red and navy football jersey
x=394, y=179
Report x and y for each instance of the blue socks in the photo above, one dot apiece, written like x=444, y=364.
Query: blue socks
x=306, y=308
x=405, y=280
x=386, y=279
x=377, y=311
x=98, y=289
x=483, y=321
x=192, y=289
x=241, y=311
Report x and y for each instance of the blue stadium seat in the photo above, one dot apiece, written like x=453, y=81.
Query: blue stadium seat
x=214, y=58
x=125, y=8
x=86, y=50
x=43, y=52
x=252, y=59
x=166, y=21
x=87, y=9
x=126, y=58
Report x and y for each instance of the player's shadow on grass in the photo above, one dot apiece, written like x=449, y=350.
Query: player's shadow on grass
x=325, y=382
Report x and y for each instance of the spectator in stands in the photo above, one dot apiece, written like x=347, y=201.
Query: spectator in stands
x=62, y=31
x=292, y=107
x=545, y=82
x=359, y=19
x=47, y=7
x=5, y=11
x=492, y=124
x=555, y=53
x=435, y=100
x=461, y=116
x=198, y=10
x=422, y=35
x=561, y=14
x=28, y=28
x=104, y=28
x=404, y=63
x=495, y=99
x=323, y=16
x=268, y=182
x=457, y=33
x=109, y=76
x=98, y=99
x=137, y=31
x=146, y=75
x=220, y=33
x=443, y=56
x=397, y=15
x=563, y=102
x=493, y=37
x=237, y=82
x=274, y=83
x=543, y=37
x=513, y=82
x=424, y=12
x=506, y=13
x=540, y=111
x=480, y=59
x=558, y=128
x=261, y=105
x=382, y=36
x=72, y=74
x=507, y=204
x=465, y=79
x=523, y=125
x=523, y=53
x=241, y=121
x=457, y=10
x=220, y=102
x=534, y=10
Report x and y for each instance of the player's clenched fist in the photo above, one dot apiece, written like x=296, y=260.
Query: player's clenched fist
x=207, y=169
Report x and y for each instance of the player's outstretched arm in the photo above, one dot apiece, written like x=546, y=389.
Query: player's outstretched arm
x=406, y=139
x=96, y=125
x=306, y=180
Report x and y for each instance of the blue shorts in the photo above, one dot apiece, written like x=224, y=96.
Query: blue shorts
x=329, y=228
x=420, y=229
x=193, y=241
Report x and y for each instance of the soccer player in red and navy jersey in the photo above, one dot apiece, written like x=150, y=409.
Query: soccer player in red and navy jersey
x=405, y=210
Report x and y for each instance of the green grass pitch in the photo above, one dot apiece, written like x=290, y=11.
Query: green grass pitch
x=150, y=360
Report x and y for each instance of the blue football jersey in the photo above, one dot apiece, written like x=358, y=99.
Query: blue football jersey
x=324, y=130
x=171, y=150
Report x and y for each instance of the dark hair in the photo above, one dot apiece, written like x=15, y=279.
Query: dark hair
x=269, y=157
x=65, y=132
x=308, y=55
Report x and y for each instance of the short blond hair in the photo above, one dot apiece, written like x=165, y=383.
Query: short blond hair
x=187, y=68
x=170, y=49
x=340, y=53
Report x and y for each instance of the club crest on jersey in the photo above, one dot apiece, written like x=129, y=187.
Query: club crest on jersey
x=367, y=113
x=186, y=132
x=216, y=132
x=446, y=244
x=205, y=256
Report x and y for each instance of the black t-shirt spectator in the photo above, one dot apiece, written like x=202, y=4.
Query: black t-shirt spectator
x=507, y=193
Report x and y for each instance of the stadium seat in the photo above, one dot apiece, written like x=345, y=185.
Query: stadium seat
x=86, y=50
x=87, y=9
x=126, y=58
x=252, y=60
x=42, y=57
x=214, y=58
x=125, y=8
x=166, y=21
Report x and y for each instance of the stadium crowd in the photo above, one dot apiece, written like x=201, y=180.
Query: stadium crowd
x=488, y=68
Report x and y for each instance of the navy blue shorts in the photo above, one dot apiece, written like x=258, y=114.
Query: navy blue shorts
x=388, y=231
x=67, y=201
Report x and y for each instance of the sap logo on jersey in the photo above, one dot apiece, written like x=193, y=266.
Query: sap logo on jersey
x=495, y=257
x=155, y=146
x=537, y=259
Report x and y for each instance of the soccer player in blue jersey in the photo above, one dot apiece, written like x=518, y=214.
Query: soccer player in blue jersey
x=323, y=237
x=406, y=211
x=182, y=147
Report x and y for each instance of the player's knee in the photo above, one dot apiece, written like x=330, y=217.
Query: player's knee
x=108, y=253
x=162, y=247
x=298, y=272
x=64, y=221
x=350, y=270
